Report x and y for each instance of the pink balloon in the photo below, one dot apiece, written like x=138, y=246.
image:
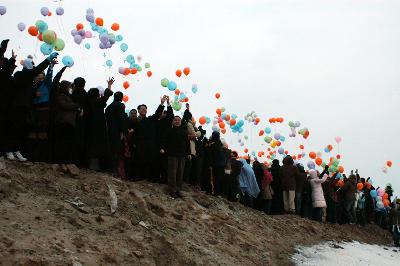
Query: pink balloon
x=338, y=139
x=88, y=34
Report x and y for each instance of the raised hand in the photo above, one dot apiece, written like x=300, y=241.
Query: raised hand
x=54, y=62
x=110, y=82
x=13, y=55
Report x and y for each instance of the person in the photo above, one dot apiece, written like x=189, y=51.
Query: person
x=133, y=114
x=276, y=185
x=197, y=163
x=300, y=180
x=259, y=172
x=267, y=191
x=97, y=143
x=163, y=124
x=116, y=121
x=234, y=183
x=395, y=214
x=360, y=209
x=318, y=200
x=216, y=162
x=248, y=184
x=21, y=105
x=131, y=140
x=192, y=134
x=349, y=192
x=80, y=97
x=332, y=199
x=176, y=146
x=146, y=142
x=227, y=169
x=288, y=174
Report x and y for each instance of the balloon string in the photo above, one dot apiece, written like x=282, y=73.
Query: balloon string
x=83, y=60
x=36, y=47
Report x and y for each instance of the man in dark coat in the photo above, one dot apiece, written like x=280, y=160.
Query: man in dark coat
x=146, y=142
x=349, y=194
x=300, y=181
x=79, y=96
x=288, y=174
x=216, y=162
x=21, y=104
x=276, y=184
x=97, y=144
x=116, y=120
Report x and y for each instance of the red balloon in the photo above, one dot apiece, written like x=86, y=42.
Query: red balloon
x=99, y=22
x=178, y=73
x=115, y=26
x=217, y=95
x=33, y=30
x=202, y=120
x=79, y=26
x=125, y=98
x=312, y=155
x=126, y=84
x=186, y=71
x=149, y=73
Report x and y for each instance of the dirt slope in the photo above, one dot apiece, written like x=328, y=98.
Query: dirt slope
x=40, y=226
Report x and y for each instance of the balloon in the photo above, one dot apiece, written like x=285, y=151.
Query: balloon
x=44, y=11
x=46, y=49
x=59, y=44
x=386, y=202
x=134, y=71
x=261, y=133
x=130, y=59
x=87, y=46
x=202, y=120
x=338, y=139
x=125, y=98
x=49, y=36
x=3, y=10
x=281, y=150
x=389, y=163
x=126, y=85
x=115, y=26
x=149, y=73
x=90, y=18
x=99, y=22
x=178, y=73
x=147, y=65
x=109, y=64
x=89, y=11
x=78, y=39
x=88, y=34
x=360, y=186
x=312, y=155
x=373, y=193
x=21, y=26
x=124, y=47
x=311, y=165
x=301, y=147
x=119, y=38
x=385, y=169
x=60, y=11
x=33, y=31
x=268, y=139
x=277, y=136
x=41, y=26
x=267, y=130
x=186, y=71
x=232, y=122
x=164, y=82
x=79, y=26
x=171, y=85
x=176, y=106
x=246, y=150
x=68, y=61
x=217, y=95
x=341, y=169
x=318, y=161
x=385, y=196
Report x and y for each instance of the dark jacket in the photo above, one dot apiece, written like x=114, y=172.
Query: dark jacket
x=7, y=85
x=96, y=128
x=259, y=172
x=163, y=125
x=176, y=142
x=116, y=120
x=288, y=174
x=300, y=181
x=214, y=153
x=66, y=110
x=349, y=189
x=23, y=82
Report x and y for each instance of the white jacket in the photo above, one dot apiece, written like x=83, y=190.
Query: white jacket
x=191, y=131
x=318, y=199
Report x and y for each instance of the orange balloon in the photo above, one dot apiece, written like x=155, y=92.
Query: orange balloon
x=258, y=120
x=127, y=71
x=32, y=30
x=301, y=147
x=133, y=71
x=125, y=98
x=272, y=120
x=79, y=26
x=186, y=71
x=149, y=73
x=389, y=163
x=360, y=186
x=221, y=124
x=386, y=202
x=186, y=100
x=217, y=95
x=246, y=150
x=340, y=183
x=177, y=91
x=385, y=196
x=318, y=161
x=223, y=130
x=115, y=26
x=227, y=117
x=99, y=22
x=178, y=73
x=341, y=169
x=202, y=120
x=232, y=122
x=312, y=155
x=125, y=84
x=219, y=112
x=49, y=14
x=261, y=133
x=278, y=143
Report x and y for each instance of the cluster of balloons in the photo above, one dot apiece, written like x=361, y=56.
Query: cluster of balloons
x=79, y=33
x=45, y=11
x=276, y=120
x=252, y=118
x=185, y=71
x=304, y=132
x=328, y=148
x=381, y=198
x=48, y=37
x=293, y=126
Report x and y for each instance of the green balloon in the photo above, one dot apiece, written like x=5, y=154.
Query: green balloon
x=176, y=106
x=164, y=82
x=291, y=124
x=246, y=137
x=139, y=68
x=223, y=109
x=49, y=36
x=268, y=139
x=323, y=165
x=147, y=65
x=59, y=44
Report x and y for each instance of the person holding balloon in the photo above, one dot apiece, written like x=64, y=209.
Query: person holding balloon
x=349, y=192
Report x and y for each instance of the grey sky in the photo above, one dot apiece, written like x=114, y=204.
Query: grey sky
x=333, y=65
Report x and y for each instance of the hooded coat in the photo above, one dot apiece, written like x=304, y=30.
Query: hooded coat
x=349, y=189
x=247, y=179
x=288, y=174
x=318, y=199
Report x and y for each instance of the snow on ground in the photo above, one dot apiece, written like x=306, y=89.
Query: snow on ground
x=349, y=253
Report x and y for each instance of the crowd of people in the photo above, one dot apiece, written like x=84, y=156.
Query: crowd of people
x=47, y=119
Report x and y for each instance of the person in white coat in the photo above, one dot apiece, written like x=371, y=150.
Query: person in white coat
x=318, y=199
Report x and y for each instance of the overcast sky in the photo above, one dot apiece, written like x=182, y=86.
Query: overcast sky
x=332, y=65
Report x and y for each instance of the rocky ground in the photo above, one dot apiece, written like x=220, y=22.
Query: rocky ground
x=49, y=218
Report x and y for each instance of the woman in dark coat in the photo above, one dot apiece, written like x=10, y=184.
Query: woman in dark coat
x=276, y=184
x=97, y=140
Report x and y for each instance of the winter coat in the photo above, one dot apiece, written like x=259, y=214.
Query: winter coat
x=349, y=190
x=116, y=120
x=288, y=174
x=259, y=172
x=163, y=125
x=247, y=179
x=192, y=132
x=146, y=137
x=318, y=200
x=43, y=89
x=177, y=142
x=66, y=110
x=267, y=191
x=300, y=181
x=215, y=154
x=7, y=86
x=96, y=128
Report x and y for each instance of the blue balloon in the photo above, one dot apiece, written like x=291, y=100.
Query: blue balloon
x=41, y=26
x=373, y=193
x=124, y=47
x=109, y=63
x=46, y=49
x=253, y=153
x=119, y=38
x=223, y=116
x=267, y=130
x=282, y=138
x=68, y=61
x=240, y=123
x=171, y=86
x=208, y=120
x=281, y=150
x=234, y=116
x=87, y=46
x=311, y=165
x=130, y=59
x=241, y=130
